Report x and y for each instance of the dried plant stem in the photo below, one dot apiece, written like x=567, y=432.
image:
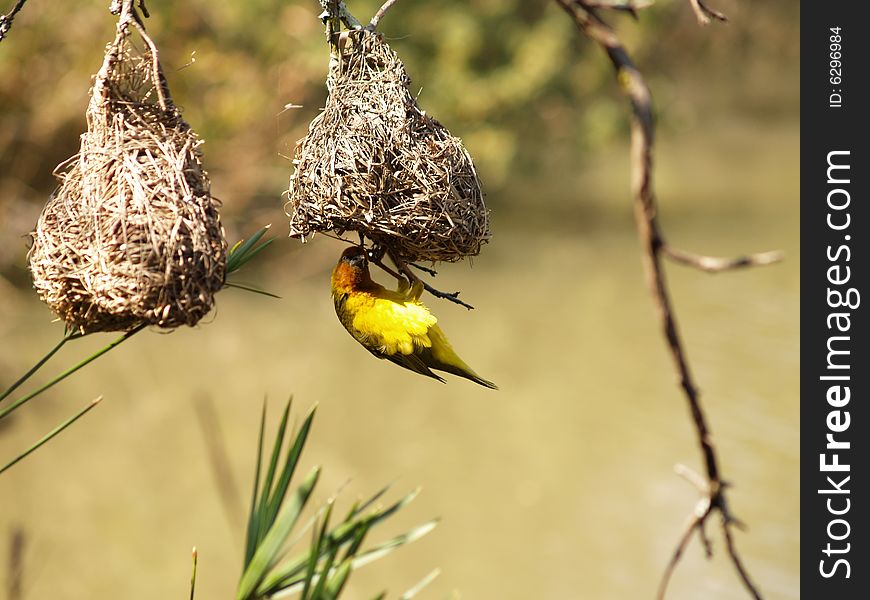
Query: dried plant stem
x=381, y=12
x=654, y=247
x=716, y=264
x=705, y=14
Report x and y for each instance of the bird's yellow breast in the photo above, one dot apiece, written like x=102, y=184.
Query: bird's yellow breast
x=385, y=321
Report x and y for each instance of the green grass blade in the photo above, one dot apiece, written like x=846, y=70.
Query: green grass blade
x=316, y=549
x=253, y=516
x=52, y=434
x=358, y=508
x=250, y=288
x=265, y=523
x=293, y=573
x=269, y=549
x=345, y=532
x=244, y=250
x=290, y=587
x=338, y=581
x=241, y=248
x=354, y=546
x=420, y=585
x=314, y=556
x=325, y=573
x=69, y=335
x=392, y=545
x=71, y=370
x=289, y=577
x=290, y=463
x=251, y=254
x=193, y=575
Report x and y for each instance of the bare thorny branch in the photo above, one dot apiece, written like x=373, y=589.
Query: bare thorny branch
x=655, y=247
x=381, y=12
x=6, y=20
x=705, y=14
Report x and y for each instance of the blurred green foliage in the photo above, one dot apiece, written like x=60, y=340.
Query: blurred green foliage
x=513, y=78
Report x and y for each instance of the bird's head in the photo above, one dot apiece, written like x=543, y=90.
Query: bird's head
x=354, y=257
x=352, y=270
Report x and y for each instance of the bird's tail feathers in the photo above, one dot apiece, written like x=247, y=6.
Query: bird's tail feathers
x=467, y=373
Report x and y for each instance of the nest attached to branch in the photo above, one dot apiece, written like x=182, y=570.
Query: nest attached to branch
x=132, y=235
x=374, y=162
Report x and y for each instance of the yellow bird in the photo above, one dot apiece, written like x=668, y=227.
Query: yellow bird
x=393, y=325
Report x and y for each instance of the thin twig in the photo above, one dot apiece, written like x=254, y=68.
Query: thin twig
x=412, y=278
x=380, y=14
x=653, y=243
x=117, y=6
x=716, y=264
x=738, y=562
x=692, y=524
x=334, y=13
x=704, y=13
x=380, y=262
x=129, y=15
x=6, y=20
x=427, y=270
x=629, y=6
x=376, y=255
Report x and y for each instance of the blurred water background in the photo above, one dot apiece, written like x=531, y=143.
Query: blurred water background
x=560, y=485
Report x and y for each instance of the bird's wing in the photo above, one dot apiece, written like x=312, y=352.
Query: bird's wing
x=413, y=362
x=392, y=327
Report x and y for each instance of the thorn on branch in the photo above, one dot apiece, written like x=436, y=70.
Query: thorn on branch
x=380, y=14
x=704, y=14
x=715, y=264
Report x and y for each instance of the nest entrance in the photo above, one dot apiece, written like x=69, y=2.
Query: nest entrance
x=132, y=235
x=374, y=162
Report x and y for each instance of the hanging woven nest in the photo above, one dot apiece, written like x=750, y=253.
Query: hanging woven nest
x=132, y=235
x=374, y=162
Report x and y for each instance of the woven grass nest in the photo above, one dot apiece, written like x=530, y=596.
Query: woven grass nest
x=374, y=162
x=132, y=235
